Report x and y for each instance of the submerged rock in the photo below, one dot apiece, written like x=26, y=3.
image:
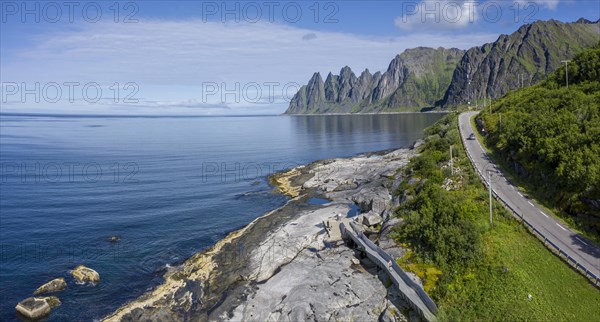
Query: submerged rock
x=37, y=307
x=55, y=285
x=85, y=274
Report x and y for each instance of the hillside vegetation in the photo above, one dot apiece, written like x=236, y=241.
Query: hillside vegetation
x=550, y=136
x=473, y=270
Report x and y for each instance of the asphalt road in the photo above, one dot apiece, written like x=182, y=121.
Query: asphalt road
x=586, y=253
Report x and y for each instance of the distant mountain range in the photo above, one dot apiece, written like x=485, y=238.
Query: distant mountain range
x=425, y=78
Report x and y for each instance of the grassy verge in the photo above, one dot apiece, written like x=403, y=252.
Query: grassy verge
x=474, y=270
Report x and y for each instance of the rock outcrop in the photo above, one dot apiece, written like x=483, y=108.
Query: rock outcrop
x=55, y=285
x=287, y=265
x=85, y=274
x=35, y=308
x=372, y=219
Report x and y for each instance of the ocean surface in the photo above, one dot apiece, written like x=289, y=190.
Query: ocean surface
x=168, y=187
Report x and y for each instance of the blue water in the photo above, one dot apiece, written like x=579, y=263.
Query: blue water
x=317, y=201
x=167, y=186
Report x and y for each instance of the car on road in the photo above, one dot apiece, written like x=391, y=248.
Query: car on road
x=471, y=137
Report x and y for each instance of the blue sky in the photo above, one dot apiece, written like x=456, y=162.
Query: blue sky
x=236, y=57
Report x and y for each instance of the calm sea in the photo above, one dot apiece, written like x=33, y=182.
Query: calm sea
x=168, y=187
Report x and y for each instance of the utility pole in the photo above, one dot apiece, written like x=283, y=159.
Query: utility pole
x=490, y=186
x=500, y=121
x=522, y=79
x=451, y=161
x=566, y=70
x=469, y=86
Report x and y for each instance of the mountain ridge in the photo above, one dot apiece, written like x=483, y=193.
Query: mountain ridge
x=424, y=78
x=347, y=93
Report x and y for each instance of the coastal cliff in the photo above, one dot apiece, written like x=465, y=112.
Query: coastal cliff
x=285, y=265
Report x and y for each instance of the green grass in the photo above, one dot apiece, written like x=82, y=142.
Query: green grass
x=518, y=264
x=513, y=263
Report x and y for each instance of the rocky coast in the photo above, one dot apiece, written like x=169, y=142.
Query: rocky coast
x=288, y=265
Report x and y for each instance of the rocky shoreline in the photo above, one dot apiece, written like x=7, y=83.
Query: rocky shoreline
x=286, y=265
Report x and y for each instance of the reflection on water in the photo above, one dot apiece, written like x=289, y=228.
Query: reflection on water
x=352, y=131
x=349, y=124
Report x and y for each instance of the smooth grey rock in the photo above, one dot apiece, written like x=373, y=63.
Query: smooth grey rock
x=292, y=270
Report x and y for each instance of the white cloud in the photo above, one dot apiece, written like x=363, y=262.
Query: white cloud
x=171, y=61
x=550, y=4
x=437, y=15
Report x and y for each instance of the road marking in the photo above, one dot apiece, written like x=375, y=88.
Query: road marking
x=581, y=240
x=529, y=202
x=520, y=194
x=563, y=228
x=541, y=212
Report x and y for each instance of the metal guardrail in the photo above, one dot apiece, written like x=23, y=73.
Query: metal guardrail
x=428, y=309
x=555, y=249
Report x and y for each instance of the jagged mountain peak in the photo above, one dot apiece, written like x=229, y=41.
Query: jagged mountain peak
x=422, y=77
x=406, y=72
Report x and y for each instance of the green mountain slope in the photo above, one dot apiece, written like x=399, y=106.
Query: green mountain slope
x=522, y=58
x=550, y=134
x=422, y=78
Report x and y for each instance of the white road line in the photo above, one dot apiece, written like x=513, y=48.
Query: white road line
x=581, y=240
x=520, y=194
x=529, y=202
x=541, y=212
x=563, y=228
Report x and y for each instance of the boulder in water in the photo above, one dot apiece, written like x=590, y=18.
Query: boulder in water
x=55, y=285
x=37, y=307
x=85, y=274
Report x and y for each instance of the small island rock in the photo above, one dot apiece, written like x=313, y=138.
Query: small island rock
x=55, y=285
x=37, y=307
x=85, y=274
